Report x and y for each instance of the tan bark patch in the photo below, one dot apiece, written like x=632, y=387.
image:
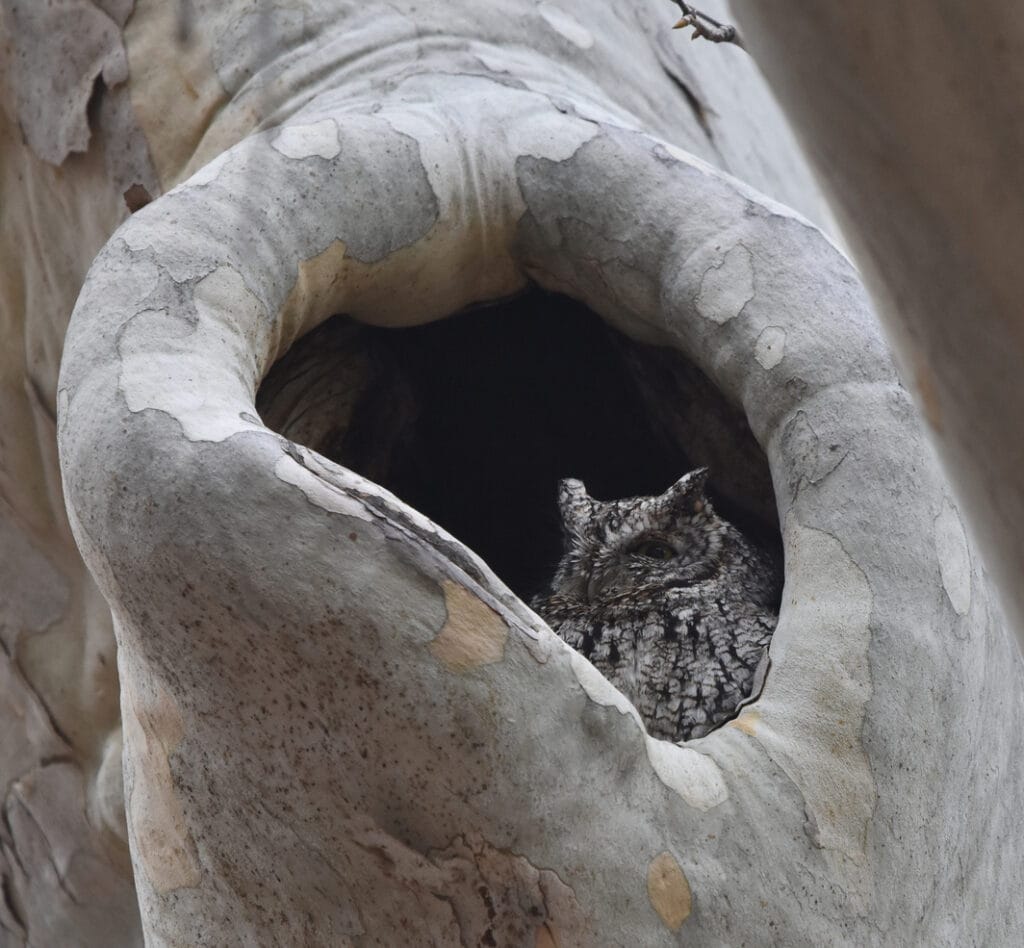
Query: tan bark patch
x=545, y=938
x=473, y=634
x=928, y=394
x=403, y=289
x=461, y=259
x=175, y=91
x=164, y=848
x=747, y=722
x=669, y=891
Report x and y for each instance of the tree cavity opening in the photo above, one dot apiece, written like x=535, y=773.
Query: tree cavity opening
x=474, y=419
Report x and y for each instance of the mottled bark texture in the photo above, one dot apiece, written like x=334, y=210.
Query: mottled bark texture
x=339, y=726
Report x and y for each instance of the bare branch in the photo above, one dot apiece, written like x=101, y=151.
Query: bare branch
x=706, y=26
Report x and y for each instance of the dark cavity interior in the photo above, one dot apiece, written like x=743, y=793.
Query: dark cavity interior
x=474, y=419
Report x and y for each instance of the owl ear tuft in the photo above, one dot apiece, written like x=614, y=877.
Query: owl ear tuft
x=687, y=494
x=575, y=505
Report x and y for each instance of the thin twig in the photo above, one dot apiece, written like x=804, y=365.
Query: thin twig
x=706, y=26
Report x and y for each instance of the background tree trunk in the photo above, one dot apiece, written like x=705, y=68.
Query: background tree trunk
x=915, y=128
x=339, y=725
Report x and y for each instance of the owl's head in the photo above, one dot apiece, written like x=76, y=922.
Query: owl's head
x=675, y=537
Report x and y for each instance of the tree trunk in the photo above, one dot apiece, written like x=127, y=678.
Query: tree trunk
x=340, y=726
x=916, y=131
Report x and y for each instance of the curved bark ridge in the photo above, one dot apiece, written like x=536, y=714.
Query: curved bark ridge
x=816, y=737
x=822, y=397
x=323, y=680
x=433, y=234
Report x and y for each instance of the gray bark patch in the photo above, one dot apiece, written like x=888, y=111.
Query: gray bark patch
x=727, y=287
x=59, y=52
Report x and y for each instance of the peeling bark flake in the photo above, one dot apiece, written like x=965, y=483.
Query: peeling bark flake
x=954, y=555
x=137, y=197
x=316, y=140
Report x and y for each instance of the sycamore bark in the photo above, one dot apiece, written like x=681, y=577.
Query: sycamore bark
x=339, y=725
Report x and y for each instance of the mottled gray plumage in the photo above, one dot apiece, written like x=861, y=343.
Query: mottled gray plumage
x=668, y=600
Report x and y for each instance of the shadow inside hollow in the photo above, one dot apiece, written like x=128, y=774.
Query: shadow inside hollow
x=474, y=419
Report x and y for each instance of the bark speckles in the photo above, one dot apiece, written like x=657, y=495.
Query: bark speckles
x=473, y=634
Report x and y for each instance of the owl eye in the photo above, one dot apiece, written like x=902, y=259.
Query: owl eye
x=653, y=549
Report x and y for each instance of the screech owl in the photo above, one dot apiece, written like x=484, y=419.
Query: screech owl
x=669, y=601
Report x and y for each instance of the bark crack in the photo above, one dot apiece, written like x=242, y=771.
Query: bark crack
x=58, y=875
x=700, y=112
x=50, y=718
